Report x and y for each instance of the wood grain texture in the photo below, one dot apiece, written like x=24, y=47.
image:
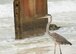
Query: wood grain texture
x=25, y=14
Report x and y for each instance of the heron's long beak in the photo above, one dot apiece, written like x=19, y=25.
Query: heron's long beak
x=42, y=17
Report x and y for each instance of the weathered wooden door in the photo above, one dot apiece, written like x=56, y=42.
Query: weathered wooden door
x=26, y=13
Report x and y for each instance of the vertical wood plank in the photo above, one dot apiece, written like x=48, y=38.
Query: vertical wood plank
x=32, y=7
x=41, y=7
x=17, y=18
x=25, y=13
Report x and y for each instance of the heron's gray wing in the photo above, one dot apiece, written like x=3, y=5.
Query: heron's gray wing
x=59, y=39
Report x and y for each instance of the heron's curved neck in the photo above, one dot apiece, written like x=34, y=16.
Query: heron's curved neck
x=47, y=27
x=48, y=24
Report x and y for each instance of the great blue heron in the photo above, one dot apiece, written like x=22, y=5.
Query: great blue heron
x=59, y=40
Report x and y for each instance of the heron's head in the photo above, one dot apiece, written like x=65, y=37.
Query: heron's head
x=48, y=16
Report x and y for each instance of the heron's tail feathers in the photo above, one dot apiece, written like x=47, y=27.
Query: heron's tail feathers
x=69, y=43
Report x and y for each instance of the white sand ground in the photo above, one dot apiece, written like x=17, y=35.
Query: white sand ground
x=42, y=44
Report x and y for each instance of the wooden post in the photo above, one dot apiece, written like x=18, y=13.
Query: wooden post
x=26, y=13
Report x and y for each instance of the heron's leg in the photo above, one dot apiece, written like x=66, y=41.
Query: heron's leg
x=60, y=49
x=55, y=49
